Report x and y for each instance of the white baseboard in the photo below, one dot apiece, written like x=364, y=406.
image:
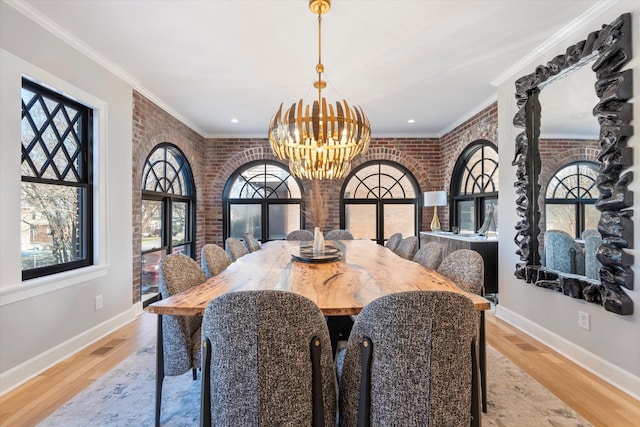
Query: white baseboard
x=618, y=377
x=25, y=371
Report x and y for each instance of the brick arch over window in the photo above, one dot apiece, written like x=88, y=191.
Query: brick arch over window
x=141, y=151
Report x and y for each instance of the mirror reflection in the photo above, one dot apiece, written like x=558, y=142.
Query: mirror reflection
x=568, y=142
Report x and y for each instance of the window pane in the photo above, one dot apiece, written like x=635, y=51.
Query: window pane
x=245, y=219
x=178, y=223
x=361, y=221
x=561, y=217
x=52, y=228
x=151, y=271
x=466, y=215
x=282, y=220
x=399, y=219
x=151, y=224
x=591, y=217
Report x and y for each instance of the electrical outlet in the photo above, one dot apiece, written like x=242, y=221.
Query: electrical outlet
x=583, y=320
x=98, y=302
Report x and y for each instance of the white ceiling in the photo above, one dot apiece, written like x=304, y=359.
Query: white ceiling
x=207, y=62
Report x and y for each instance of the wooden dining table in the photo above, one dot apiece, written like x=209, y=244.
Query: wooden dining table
x=364, y=272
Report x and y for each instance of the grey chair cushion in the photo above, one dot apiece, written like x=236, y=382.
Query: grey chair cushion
x=213, y=259
x=260, y=362
x=421, y=364
x=302, y=235
x=339, y=235
x=251, y=242
x=465, y=268
x=407, y=247
x=235, y=248
x=394, y=241
x=181, y=334
x=430, y=255
x=563, y=253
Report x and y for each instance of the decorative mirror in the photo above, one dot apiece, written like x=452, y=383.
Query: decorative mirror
x=609, y=50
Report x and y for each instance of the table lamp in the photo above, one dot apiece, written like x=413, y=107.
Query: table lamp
x=435, y=199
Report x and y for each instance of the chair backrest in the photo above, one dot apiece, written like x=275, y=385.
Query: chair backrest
x=589, y=232
x=591, y=264
x=213, y=259
x=465, y=267
x=235, y=248
x=394, y=241
x=178, y=273
x=563, y=253
x=261, y=364
x=420, y=367
x=302, y=235
x=407, y=247
x=430, y=255
x=339, y=235
x=251, y=242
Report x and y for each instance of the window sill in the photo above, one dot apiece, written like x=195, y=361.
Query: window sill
x=42, y=285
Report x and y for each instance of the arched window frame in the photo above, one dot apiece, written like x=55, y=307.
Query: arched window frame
x=576, y=197
x=264, y=202
x=380, y=202
x=167, y=183
x=479, y=197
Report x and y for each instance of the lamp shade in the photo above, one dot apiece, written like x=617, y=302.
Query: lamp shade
x=435, y=198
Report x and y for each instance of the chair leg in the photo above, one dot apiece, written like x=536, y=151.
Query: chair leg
x=159, y=370
x=364, y=400
x=483, y=362
x=316, y=383
x=194, y=373
x=205, y=385
x=475, y=387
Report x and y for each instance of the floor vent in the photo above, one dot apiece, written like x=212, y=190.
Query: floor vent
x=107, y=348
x=526, y=346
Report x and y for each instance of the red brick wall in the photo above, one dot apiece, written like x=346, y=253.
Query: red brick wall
x=214, y=160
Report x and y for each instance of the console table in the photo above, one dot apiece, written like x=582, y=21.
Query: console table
x=487, y=247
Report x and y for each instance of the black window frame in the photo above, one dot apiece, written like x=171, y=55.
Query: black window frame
x=380, y=202
x=264, y=203
x=85, y=178
x=579, y=202
x=479, y=198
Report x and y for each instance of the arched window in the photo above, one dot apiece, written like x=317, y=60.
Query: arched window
x=380, y=198
x=474, y=186
x=570, y=199
x=264, y=199
x=168, y=213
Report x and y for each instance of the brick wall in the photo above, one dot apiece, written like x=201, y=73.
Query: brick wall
x=214, y=160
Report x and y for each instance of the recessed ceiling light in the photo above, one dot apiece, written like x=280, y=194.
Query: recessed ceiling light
x=411, y=121
x=234, y=120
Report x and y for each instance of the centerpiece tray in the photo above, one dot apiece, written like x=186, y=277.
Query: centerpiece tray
x=305, y=254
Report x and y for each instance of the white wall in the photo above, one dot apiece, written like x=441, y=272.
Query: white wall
x=611, y=348
x=44, y=320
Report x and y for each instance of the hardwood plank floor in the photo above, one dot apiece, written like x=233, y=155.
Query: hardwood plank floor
x=596, y=400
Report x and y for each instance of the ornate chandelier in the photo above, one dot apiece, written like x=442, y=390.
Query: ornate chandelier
x=319, y=142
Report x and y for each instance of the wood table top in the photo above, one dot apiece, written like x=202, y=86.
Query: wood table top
x=366, y=271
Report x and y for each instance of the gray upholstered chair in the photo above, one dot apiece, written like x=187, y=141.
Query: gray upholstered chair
x=589, y=232
x=430, y=255
x=562, y=253
x=267, y=361
x=591, y=264
x=213, y=259
x=251, y=242
x=235, y=248
x=302, y=235
x=178, y=336
x=393, y=241
x=407, y=247
x=465, y=267
x=408, y=362
x=338, y=235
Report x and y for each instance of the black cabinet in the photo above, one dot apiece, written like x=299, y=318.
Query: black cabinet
x=487, y=247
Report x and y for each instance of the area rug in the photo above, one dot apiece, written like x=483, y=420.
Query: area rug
x=125, y=396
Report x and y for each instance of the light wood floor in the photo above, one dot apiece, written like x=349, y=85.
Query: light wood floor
x=594, y=399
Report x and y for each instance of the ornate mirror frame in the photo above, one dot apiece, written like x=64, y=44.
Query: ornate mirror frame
x=611, y=49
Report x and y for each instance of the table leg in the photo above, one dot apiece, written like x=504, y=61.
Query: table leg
x=334, y=324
